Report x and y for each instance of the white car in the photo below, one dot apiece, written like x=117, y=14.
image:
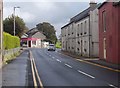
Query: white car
x=51, y=47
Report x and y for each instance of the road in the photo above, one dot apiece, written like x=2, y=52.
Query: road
x=56, y=69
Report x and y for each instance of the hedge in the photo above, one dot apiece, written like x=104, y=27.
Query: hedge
x=10, y=41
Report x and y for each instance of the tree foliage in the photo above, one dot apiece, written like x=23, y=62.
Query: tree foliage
x=48, y=30
x=20, y=27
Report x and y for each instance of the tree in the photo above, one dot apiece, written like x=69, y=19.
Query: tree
x=48, y=30
x=20, y=27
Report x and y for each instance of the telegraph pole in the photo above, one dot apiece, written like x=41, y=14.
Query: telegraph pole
x=1, y=31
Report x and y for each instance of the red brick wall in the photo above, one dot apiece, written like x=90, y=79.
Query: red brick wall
x=119, y=34
x=111, y=33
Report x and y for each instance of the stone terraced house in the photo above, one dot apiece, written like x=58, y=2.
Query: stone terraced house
x=80, y=35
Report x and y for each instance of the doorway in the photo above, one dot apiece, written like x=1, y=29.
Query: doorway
x=104, y=46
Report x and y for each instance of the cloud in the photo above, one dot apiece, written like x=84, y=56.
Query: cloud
x=56, y=13
x=56, y=0
x=28, y=17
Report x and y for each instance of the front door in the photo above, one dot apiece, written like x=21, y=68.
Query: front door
x=104, y=45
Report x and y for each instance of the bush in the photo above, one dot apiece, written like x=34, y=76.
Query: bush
x=10, y=41
x=58, y=44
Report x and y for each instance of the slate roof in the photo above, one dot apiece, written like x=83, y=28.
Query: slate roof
x=80, y=16
x=32, y=31
x=38, y=35
x=114, y=4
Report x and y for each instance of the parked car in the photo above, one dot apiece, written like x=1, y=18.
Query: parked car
x=51, y=47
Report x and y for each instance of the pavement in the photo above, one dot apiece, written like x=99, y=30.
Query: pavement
x=15, y=73
x=94, y=60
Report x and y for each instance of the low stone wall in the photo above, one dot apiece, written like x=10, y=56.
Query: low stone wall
x=10, y=54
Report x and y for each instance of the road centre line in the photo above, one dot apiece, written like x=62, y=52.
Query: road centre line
x=112, y=85
x=68, y=65
x=53, y=57
x=58, y=60
x=86, y=74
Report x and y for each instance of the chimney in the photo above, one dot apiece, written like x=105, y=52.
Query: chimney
x=92, y=4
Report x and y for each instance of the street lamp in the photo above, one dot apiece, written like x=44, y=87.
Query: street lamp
x=14, y=18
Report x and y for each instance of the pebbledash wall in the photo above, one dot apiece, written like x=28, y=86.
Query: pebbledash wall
x=109, y=32
x=80, y=35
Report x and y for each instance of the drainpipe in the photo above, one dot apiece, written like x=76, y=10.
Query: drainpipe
x=89, y=35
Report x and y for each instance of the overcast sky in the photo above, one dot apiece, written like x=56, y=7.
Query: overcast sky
x=57, y=13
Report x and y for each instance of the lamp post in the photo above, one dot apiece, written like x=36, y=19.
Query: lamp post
x=14, y=18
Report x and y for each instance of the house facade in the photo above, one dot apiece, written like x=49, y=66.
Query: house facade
x=109, y=32
x=80, y=35
x=34, y=39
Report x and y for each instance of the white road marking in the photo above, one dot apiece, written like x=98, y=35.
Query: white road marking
x=86, y=74
x=68, y=65
x=112, y=85
x=53, y=57
x=58, y=60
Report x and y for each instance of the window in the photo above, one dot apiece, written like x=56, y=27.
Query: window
x=72, y=26
x=104, y=20
x=85, y=32
x=85, y=50
x=81, y=28
x=72, y=47
x=78, y=42
x=78, y=26
x=34, y=42
x=69, y=47
x=85, y=26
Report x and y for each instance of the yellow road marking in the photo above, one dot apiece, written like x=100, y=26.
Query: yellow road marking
x=37, y=75
x=116, y=70
x=36, y=71
x=33, y=73
x=91, y=59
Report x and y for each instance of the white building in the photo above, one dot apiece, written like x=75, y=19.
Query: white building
x=45, y=44
x=33, y=40
x=80, y=35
